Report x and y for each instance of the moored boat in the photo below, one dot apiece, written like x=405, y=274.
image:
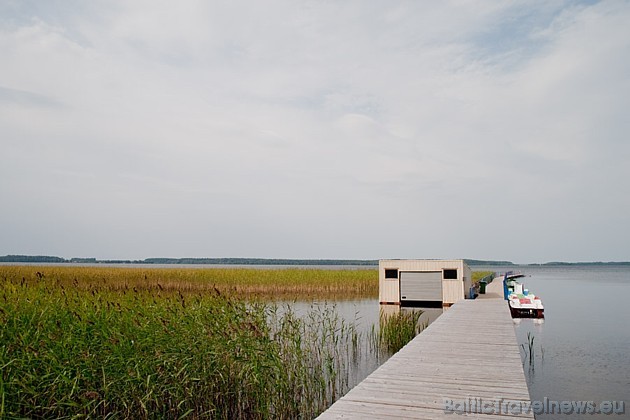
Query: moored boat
x=522, y=303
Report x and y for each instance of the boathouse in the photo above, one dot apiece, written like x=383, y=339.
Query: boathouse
x=423, y=282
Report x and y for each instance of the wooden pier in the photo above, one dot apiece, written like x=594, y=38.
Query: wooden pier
x=467, y=362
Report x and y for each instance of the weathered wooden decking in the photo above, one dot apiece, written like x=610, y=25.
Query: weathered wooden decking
x=469, y=354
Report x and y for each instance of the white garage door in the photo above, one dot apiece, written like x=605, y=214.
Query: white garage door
x=418, y=286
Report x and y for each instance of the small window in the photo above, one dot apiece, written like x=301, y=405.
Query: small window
x=391, y=273
x=450, y=274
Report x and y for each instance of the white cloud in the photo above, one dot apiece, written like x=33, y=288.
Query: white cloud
x=314, y=129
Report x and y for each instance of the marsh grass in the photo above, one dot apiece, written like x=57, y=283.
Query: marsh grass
x=73, y=352
x=480, y=275
x=528, y=352
x=95, y=344
x=323, y=347
x=396, y=330
x=286, y=284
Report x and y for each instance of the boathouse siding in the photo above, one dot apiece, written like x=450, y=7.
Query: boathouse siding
x=416, y=281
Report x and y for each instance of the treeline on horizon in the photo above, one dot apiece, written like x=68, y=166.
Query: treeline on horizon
x=257, y=261
x=220, y=261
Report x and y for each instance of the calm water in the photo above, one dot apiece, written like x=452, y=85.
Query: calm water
x=582, y=351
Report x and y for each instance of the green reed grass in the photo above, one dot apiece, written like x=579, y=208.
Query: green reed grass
x=77, y=347
x=263, y=283
x=397, y=329
x=478, y=275
x=72, y=352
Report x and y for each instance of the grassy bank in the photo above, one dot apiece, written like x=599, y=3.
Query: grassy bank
x=478, y=275
x=265, y=283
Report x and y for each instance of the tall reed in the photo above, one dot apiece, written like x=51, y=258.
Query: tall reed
x=397, y=329
x=292, y=283
x=76, y=348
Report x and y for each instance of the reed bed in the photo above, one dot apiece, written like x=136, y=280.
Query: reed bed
x=396, y=330
x=287, y=284
x=478, y=275
x=105, y=346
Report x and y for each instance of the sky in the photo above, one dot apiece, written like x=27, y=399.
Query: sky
x=315, y=129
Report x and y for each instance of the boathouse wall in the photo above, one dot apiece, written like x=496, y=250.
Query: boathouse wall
x=417, y=281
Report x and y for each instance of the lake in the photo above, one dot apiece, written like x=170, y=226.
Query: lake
x=582, y=350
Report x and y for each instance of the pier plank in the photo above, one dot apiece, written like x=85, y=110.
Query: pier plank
x=469, y=353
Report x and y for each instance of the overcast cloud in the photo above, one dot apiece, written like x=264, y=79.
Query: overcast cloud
x=315, y=129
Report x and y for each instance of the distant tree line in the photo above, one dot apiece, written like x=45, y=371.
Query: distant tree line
x=251, y=261
x=489, y=262
x=220, y=261
x=583, y=263
x=257, y=261
x=32, y=259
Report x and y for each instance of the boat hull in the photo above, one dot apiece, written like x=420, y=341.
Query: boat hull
x=526, y=312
